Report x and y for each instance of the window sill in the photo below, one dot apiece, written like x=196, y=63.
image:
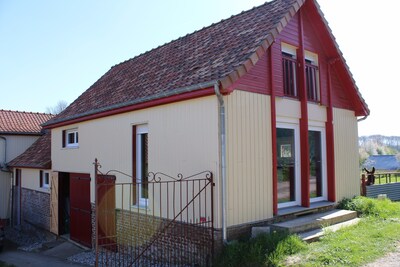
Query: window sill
x=140, y=208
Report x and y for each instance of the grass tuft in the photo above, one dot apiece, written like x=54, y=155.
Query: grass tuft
x=264, y=250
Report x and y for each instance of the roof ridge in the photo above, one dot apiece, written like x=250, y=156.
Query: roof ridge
x=26, y=112
x=196, y=31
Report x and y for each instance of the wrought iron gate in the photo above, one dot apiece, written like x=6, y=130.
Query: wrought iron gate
x=172, y=225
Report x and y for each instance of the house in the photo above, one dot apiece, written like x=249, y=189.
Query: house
x=382, y=163
x=32, y=171
x=264, y=100
x=18, y=131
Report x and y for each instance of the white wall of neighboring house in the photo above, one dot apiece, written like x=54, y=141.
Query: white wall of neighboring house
x=10, y=147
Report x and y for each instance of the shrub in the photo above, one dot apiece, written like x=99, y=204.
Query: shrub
x=383, y=208
x=264, y=250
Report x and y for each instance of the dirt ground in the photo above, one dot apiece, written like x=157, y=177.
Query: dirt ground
x=390, y=260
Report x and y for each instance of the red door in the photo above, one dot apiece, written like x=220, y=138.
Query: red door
x=80, y=219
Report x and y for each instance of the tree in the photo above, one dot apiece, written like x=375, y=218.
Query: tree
x=60, y=106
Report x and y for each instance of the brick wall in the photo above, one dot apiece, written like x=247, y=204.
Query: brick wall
x=35, y=207
x=160, y=240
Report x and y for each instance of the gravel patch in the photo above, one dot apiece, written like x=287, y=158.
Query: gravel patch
x=31, y=240
x=88, y=258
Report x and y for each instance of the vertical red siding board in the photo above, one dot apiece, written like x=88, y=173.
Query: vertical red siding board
x=330, y=145
x=272, y=80
x=305, y=161
x=339, y=96
x=277, y=71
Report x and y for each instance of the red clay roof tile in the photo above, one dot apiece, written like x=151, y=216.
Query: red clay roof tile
x=18, y=122
x=38, y=155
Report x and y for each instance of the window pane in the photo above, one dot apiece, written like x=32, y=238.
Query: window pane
x=286, y=165
x=145, y=165
x=289, y=74
x=315, y=154
x=71, y=138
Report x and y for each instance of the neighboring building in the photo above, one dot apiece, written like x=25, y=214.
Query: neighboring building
x=18, y=131
x=32, y=170
x=270, y=81
x=382, y=163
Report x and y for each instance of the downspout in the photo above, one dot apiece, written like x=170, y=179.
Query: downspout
x=222, y=144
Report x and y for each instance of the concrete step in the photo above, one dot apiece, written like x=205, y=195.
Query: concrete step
x=315, y=235
x=314, y=221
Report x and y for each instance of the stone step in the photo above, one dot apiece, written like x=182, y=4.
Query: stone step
x=315, y=235
x=314, y=221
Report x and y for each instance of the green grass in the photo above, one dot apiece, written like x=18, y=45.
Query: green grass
x=264, y=250
x=3, y=264
x=375, y=235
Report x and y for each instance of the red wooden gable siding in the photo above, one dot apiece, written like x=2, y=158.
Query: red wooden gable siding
x=257, y=80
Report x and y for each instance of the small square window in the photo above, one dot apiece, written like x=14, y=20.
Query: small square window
x=71, y=138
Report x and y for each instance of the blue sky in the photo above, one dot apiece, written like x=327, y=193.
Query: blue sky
x=54, y=50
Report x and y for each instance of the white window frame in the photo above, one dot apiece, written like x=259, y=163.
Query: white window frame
x=285, y=124
x=324, y=164
x=45, y=184
x=140, y=130
x=75, y=134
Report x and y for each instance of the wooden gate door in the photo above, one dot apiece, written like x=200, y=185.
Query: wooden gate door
x=106, y=209
x=80, y=209
x=54, y=203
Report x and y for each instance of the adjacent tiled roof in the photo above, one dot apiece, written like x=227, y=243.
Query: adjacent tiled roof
x=382, y=162
x=38, y=155
x=17, y=122
x=223, y=52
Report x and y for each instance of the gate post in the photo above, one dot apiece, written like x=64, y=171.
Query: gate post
x=96, y=204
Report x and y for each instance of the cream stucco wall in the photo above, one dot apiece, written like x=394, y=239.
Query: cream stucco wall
x=183, y=138
x=249, y=157
x=30, y=179
x=346, y=154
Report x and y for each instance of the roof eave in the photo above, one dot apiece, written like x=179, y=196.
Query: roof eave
x=197, y=90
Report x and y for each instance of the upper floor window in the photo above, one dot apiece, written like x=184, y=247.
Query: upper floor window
x=70, y=138
x=312, y=77
x=289, y=70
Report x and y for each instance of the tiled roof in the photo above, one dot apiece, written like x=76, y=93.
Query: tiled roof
x=382, y=162
x=38, y=155
x=204, y=56
x=224, y=51
x=17, y=122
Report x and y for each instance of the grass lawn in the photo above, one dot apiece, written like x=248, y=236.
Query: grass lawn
x=375, y=235
x=3, y=264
